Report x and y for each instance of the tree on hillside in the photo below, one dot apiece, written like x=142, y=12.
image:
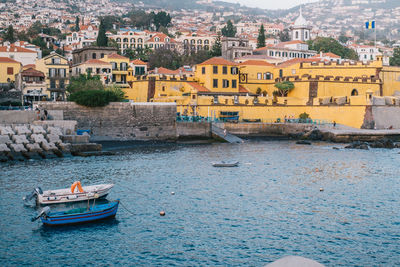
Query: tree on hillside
x=102, y=39
x=323, y=44
x=343, y=39
x=216, y=49
x=283, y=88
x=9, y=35
x=166, y=58
x=161, y=19
x=284, y=35
x=196, y=57
x=261, y=37
x=140, y=19
x=229, y=30
x=395, y=60
x=77, y=28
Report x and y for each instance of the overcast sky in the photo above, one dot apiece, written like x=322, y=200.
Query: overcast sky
x=271, y=4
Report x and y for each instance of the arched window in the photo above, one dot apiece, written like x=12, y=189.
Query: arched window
x=133, y=40
x=102, y=55
x=118, y=39
x=206, y=42
x=306, y=33
x=125, y=40
x=199, y=41
x=192, y=41
x=297, y=35
x=354, y=92
x=140, y=40
x=157, y=39
x=185, y=41
x=94, y=56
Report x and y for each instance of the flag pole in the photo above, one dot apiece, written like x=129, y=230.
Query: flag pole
x=375, y=33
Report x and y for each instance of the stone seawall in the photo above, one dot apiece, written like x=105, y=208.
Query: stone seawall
x=193, y=130
x=17, y=116
x=122, y=121
x=265, y=129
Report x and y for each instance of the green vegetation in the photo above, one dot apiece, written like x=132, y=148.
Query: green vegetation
x=102, y=39
x=9, y=35
x=395, y=60
x=88, y=90
x=216, y=49
x=261, y=37
x=229, y=30
x=323, y=44
x=304, y=116
x=84, y=82
x=161, y=19
x=96, y=98
x=284, y=35
x=77, y=28
x=283, y=88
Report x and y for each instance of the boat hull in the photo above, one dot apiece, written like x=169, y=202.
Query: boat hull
x=65, y=195
x=235, y=164
x=85, y=217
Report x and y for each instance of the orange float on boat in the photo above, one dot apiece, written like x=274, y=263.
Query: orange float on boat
x=77, y=184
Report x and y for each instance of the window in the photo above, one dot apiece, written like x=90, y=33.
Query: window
x=101, y=55
x=224, y=70
x=55, y=61
x=293, y=71
x=114, y=65
x=124, y=66
x=52, y=84
x=10, y=71
x=139, y=71
x=280, y=73
x=259, y=76
x=268, y=76
x=354, y=92
x=234, y=83
x=94, y=56
x=225, y=83
x=203, y=70
x=297, y=35
x=306, y=35
x=89, y=70
x=215, y=69
x=215, y=83
x=52, y=72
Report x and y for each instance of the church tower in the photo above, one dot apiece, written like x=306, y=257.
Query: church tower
x=300, y=29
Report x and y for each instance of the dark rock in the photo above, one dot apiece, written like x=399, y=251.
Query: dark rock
x=397, y=145
x=314, y=134
x=358, y=145
x=383, y=143
x=303, y=142
x=363, y=146
x=336, y=148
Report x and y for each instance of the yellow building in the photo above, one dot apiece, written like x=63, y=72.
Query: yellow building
x=94, y=67
x=119, y=69
x=327, y=91
x=8, y=69
x=56, y=69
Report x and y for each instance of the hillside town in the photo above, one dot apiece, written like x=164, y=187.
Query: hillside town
x=53, y=49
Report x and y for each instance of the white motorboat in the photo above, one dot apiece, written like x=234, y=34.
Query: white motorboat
x=73, y=194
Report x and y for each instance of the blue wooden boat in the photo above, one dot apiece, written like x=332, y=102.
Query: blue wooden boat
x=79, y=215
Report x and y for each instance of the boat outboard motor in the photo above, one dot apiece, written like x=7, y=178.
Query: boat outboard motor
x=44, y=211
x=37, y=191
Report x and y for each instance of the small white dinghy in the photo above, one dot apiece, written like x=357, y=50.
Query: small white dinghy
x=77, y=192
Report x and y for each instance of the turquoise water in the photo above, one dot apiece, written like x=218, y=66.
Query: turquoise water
x=268, y=207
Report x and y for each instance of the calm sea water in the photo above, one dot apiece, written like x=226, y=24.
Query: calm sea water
x=268, y=207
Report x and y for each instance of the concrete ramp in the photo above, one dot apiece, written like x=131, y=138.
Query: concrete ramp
x=224, y=135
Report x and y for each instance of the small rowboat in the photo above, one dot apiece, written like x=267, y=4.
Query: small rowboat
x=73, y=194
x=79, y=215
x=226, y=164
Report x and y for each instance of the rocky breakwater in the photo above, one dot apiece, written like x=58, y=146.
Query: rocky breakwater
x=29, y=141
x=383, y=143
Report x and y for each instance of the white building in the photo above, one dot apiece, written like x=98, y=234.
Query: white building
x=20, y=54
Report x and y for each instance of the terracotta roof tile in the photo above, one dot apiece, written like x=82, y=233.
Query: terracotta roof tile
x=8, y=60
x=138, y=62
x=13, y=48
x=296, y=61
x=243, y=90
x=198, y=87
x=218, y=61
x=95, y=61
x=114, y=55
x=256, y=63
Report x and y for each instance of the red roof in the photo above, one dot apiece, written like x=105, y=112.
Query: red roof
x=218, y=61
x=114, y=55
x=13, y=48
x=138, y=62
x=256, y=63
x=242, y=89
x=8, y=60
x=198, y=87
x=33, y=66
x=95, y=61
x=162, y=37
x=162, y=70
x=31, y=72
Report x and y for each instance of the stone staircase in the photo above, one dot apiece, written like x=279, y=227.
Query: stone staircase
x=219, y=133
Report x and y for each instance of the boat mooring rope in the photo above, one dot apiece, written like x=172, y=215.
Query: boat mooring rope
x=126, y=208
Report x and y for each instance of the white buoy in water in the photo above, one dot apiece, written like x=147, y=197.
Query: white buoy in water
x=172, y=193
x=321, y=189
x=162, y=213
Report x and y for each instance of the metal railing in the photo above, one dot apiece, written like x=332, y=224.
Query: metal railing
x=183, y=118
